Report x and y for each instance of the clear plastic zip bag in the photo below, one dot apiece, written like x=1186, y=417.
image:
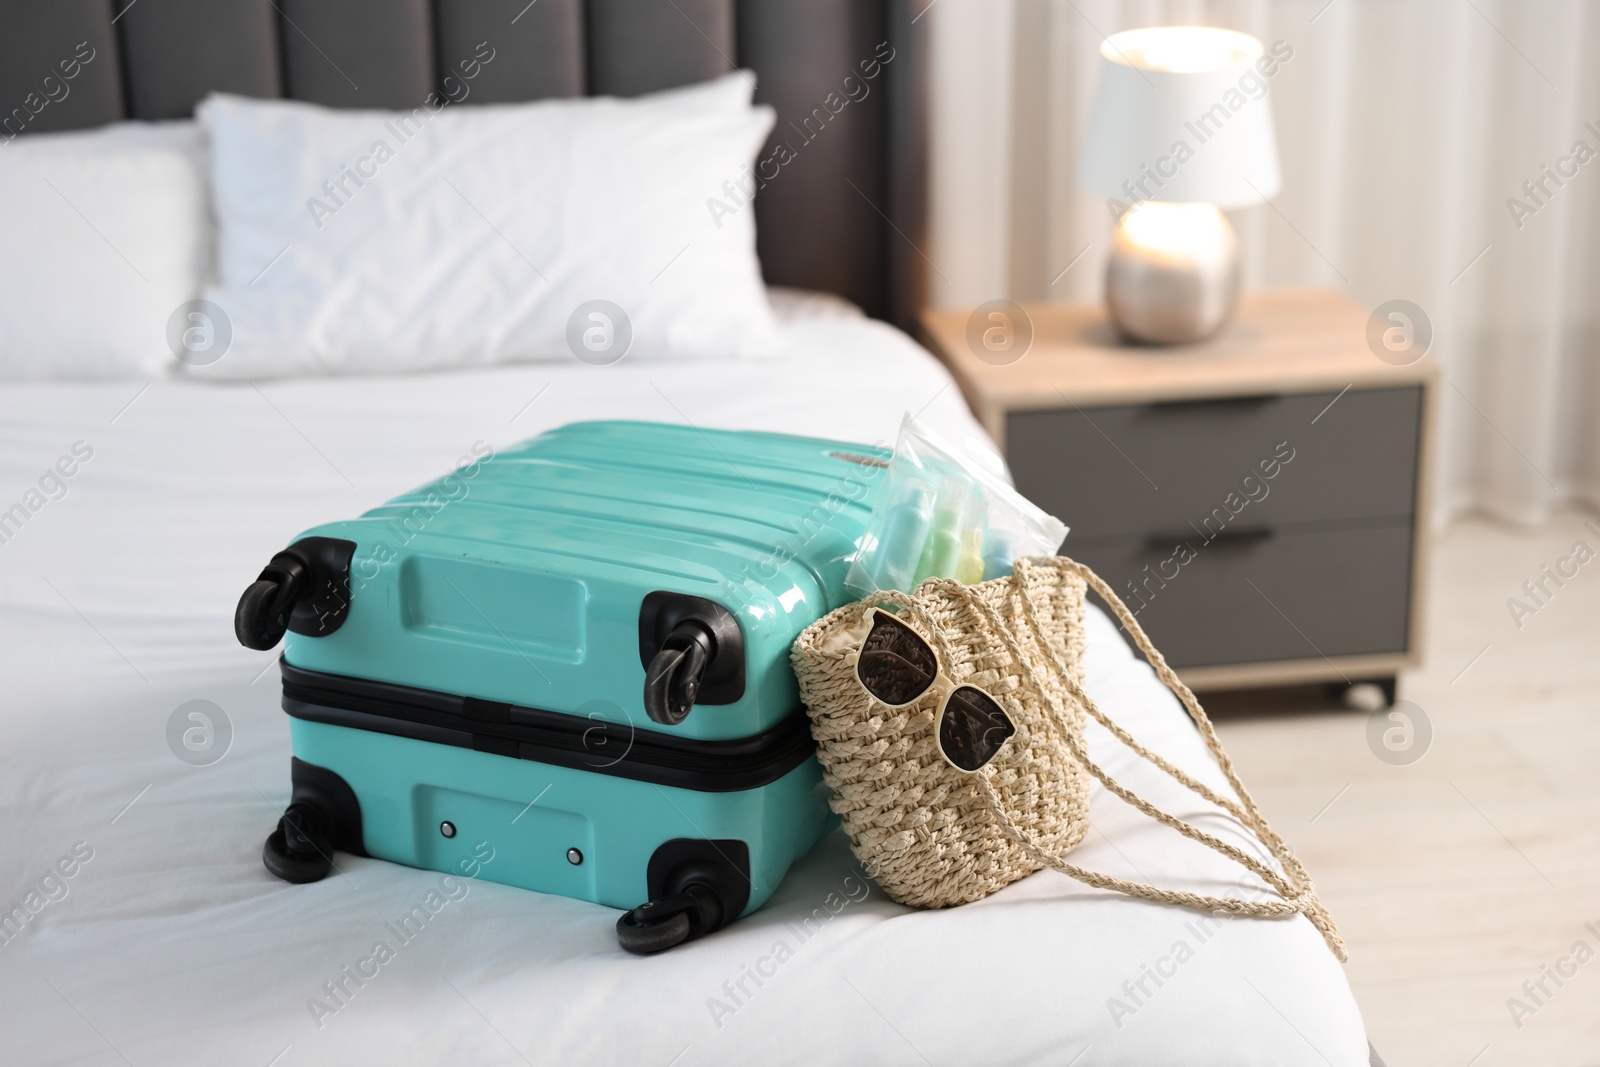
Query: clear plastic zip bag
x=946, y=513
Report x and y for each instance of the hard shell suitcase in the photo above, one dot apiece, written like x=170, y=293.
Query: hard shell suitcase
x=570, y=657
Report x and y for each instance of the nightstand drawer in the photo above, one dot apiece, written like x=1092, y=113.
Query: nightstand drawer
x=1167, y=467
x=1290, y=596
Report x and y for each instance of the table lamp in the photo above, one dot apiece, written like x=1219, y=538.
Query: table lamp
x=1181, y=128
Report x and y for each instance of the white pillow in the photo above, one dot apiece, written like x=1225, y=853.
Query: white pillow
x=810, y=305
x=366, y=242
x=103, y=236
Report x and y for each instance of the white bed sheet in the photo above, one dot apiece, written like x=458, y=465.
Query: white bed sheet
x=173, y=945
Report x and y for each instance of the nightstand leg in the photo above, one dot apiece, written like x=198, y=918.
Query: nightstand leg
x=1387, y=685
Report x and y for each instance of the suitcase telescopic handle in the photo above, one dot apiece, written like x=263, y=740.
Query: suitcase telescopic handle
x=673, y=678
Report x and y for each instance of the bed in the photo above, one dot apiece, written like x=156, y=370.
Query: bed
x=173, y=945
x=169, y=943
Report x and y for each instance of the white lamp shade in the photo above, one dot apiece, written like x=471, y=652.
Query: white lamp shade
x=1182, y=114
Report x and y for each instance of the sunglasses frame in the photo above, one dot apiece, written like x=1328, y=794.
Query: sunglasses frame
x=946, y=685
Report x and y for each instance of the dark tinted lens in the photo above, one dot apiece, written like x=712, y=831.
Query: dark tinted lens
x=973, y=728
x=895, y=665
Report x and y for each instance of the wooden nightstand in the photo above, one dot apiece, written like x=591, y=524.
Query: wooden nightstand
x=1259, y=500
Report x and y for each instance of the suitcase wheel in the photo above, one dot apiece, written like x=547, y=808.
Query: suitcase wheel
x=304, y=588
x=297, y=850
x=645, y=938
x=658, y=925
x=672, y=680
x=260, y=621
x=692, y=651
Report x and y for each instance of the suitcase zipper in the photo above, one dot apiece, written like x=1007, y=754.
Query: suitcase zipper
x=617, y=749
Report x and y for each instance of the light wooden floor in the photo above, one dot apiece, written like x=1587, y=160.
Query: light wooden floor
x=1460, y=877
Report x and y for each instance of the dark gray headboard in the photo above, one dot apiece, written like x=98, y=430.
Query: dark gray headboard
x=844, y=214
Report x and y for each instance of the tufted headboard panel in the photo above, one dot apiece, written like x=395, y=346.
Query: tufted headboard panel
x=843, y=209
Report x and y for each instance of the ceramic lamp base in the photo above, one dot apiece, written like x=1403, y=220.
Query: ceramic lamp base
x=1173, y=275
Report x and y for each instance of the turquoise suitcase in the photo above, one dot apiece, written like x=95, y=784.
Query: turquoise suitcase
x=565, y=667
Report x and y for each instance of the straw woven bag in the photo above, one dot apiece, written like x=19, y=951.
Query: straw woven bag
x=933, y=836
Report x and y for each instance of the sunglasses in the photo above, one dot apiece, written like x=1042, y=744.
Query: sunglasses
x=898, y=667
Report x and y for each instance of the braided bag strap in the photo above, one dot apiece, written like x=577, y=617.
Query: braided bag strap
x=1297, y=894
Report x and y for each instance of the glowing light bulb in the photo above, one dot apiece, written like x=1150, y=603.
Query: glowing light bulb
x=1181, y=49
x=1173, y=274
x=1177, y=234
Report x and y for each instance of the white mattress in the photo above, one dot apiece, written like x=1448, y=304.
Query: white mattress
x=173, y=945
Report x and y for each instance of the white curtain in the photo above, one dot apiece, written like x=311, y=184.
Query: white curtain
x=1404, y=128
